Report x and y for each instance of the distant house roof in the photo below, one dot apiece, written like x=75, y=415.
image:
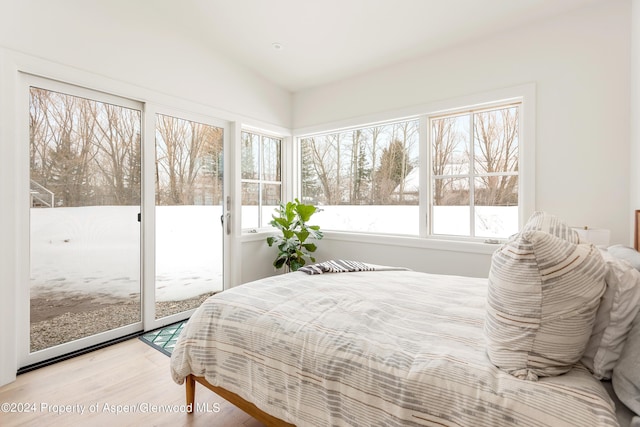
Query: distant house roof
x=411, y=182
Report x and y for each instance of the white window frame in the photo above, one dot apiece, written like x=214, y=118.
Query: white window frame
x=364, y=126
x=523, y=94
x=262, y=225
x=471, y=175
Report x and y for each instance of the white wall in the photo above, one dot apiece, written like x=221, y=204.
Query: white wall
x=8, y=236
x=579, y=63
x=634, y=158
x=131, y=43
x=89, y=44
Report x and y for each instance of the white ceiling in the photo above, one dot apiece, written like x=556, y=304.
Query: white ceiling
x=328, y=40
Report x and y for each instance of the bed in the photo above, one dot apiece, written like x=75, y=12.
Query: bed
x=374, y=348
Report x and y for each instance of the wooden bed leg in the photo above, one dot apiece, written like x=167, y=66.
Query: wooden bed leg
x=190, y=386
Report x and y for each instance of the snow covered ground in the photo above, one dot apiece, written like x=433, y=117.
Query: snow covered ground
x=491, y=222
x=96, y=250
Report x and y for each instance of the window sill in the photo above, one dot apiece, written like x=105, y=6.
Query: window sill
x=258, y=234
x=440, y=244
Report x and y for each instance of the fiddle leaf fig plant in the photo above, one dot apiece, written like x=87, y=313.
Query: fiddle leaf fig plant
x=293, y=246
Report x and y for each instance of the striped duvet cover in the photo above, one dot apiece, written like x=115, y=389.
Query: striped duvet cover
x=383, y=348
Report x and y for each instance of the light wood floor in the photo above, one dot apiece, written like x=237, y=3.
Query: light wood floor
x=129, y=375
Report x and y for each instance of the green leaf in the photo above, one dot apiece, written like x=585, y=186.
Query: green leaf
x=280, y=223
x=291, y=220
x=287, y=234
x=279, y=262
x=305, y=211
x=302, y=235
x=296, y=264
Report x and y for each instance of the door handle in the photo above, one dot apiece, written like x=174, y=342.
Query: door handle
x=228, y=223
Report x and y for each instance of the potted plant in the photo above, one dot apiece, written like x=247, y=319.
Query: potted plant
x=293, y=246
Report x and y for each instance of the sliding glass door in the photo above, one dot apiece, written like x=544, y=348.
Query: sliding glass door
x=84, y=229
x=126, y=221
x=188, y=213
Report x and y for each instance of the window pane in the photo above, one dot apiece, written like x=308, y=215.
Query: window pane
x=496, y=206
x=490, y=164
x=451, y=220
x=496, y=221
x=250, y=193
x=261, y=161
x=84, y=247
x=188, y=211
x=451, y=207
x=451, y=192
x=374, y=166
x=271, y=159
x=270, y=195
x=250, y=206
x=450, y=145
x=496, y=141
x=496, y=190
x=250, y=155
x=388, y=219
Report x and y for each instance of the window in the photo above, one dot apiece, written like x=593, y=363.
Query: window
x=189, y=192
x=85, y=195
x=261, y=178
x=349, y=172
x=474, y=173
x=367, y=179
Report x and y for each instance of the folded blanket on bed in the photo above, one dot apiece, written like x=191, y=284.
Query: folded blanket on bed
x=344, y=266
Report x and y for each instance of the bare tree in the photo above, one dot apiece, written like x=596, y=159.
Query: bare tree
x=496, y=151
x=444, y=143
x=324, y=166
x=117, y=138
x=72, y=152
x=404, y=132
x=348, y=165
x=40, y=136
x=375, y=133
x=171, y=134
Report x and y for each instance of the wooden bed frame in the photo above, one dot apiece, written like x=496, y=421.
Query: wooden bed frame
x=246, y=406
x=268, y=419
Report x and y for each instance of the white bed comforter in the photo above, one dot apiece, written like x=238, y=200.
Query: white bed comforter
x=384, y=348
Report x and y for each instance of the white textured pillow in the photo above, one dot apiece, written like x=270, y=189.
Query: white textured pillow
x=543, y=296
x=627, y=253
x=618, y=308
x=626, y=374
x=543, y=221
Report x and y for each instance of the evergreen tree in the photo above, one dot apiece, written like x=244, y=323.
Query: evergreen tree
x=394, y=167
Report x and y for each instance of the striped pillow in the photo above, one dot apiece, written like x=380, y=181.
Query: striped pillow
x=542, y=221
x=543, y=296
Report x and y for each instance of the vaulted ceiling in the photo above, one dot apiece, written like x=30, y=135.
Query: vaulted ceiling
x=299, y=44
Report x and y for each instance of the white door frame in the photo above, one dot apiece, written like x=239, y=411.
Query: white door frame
x=147, y=230
x=148, y=208
x=25, y=356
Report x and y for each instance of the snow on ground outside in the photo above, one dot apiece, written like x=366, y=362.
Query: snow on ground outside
x=95, y=250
